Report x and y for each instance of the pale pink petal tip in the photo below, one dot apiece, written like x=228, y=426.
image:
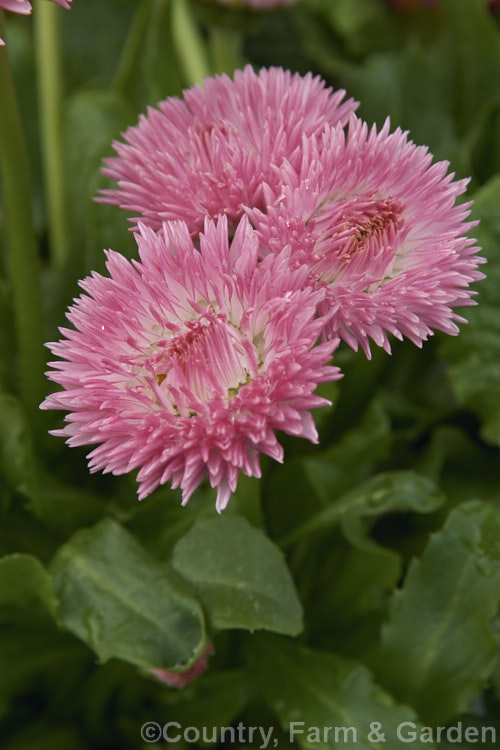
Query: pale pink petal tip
x=185, y=364
x=180, y=680
x=22, y=7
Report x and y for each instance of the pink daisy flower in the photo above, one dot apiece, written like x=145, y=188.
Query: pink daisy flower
x=378, y=225
x=183, y=365
x=213, y=152
x=24, y=8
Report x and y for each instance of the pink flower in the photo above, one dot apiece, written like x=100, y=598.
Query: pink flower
x=378, y=225
x=183, y=365
x=24, y=8
x=215, y=151
x=180, y=680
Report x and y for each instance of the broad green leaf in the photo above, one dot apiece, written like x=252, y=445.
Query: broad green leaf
x=22, y=579
x=473, y=357
x=241, y=576
x=440, y=622
x=394, y=491
x=312, y=692
x=124, y=603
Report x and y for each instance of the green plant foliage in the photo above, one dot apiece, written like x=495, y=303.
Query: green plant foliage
x=309, y=689
x=125, y=604
x=376, y=552
x=473, y=357
x=213, y=701
x=401, y=491
x=22, y=579
x=241, y=576
x=440, y=623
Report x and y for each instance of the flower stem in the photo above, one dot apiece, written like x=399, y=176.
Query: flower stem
x=20, y=241
x=47, y=21
x=189, y=44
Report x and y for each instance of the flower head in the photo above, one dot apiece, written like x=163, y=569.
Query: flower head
x=378, y=225
x=216, y=151
x=24, y=8
x=183, y=365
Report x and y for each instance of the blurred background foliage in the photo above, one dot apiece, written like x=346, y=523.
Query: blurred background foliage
x=373, y=558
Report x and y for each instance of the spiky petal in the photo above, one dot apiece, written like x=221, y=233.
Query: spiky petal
x=185, y=364
x=378, y=224
x=214, y=151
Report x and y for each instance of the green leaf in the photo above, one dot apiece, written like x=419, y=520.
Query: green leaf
x=311, y=691
x=394, y=491
x=241, y=576
x=439, y=624
x=22, y=579
x=473, y=357
x=125, y=604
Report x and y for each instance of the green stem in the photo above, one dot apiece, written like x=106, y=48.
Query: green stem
x=49, y=65
x=20, y=240
x=189, y=44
